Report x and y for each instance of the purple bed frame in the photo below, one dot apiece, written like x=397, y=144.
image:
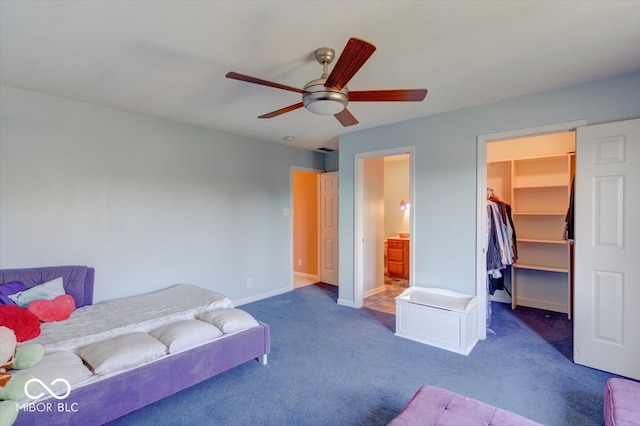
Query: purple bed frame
x=108, y=399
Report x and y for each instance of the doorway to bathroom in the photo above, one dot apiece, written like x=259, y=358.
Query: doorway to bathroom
x=384, y=223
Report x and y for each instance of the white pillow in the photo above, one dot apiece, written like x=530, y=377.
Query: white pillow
x=229, y=320
x=49, y=291
x=186, y=334
x=56, y=365
x=122, y=352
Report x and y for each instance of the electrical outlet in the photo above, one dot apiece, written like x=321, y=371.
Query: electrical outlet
x=299, y=262
x=249, y=282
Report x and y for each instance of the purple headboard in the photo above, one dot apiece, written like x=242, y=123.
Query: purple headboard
x=78, y=280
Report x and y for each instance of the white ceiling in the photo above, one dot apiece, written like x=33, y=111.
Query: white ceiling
x=169, y=58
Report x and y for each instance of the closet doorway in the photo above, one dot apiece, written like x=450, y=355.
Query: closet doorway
x=384, y=189
x=531, y=170
x=529, y=181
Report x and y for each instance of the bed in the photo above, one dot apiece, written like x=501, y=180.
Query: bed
x=98, y=397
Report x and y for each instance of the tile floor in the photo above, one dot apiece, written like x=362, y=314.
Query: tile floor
x=385, y=300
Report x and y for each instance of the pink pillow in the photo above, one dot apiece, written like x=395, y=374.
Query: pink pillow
x=58, y=309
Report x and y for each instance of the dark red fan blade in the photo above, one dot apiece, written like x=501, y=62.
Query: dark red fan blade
x=235, y=76
x=353, y=57
x=281, y=111
x=346, y=118
x=410, y=95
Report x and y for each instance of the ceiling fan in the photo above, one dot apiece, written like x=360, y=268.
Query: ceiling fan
x=329, y=95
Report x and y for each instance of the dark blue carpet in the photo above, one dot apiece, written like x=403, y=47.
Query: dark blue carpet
x=332, y=365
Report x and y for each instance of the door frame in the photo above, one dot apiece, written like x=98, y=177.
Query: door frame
x=358, y=235
x=481, y=212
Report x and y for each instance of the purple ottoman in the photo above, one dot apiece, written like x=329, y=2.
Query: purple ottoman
x=621, y=402
x=436, y=406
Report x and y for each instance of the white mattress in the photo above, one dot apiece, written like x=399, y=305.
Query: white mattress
x=115, y=317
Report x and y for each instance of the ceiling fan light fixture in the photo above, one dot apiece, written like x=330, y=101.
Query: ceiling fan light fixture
x=323, y=100
x=325, y=106
x=329, y=95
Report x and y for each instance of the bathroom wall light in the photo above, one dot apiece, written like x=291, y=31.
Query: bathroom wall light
x=404, y=205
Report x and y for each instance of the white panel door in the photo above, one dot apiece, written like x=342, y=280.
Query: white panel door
x=607, y=248
x=329, y=228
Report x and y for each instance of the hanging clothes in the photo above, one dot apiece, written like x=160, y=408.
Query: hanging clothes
x=502, y=250
x=569, y=220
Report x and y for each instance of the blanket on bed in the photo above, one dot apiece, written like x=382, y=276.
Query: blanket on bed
x=116, y=317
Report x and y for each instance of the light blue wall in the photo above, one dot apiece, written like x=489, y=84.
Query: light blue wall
x=331, y=161
x=444, y=207
x=146, y=201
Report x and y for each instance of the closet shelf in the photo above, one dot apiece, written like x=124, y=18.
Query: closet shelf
x=540, y=186
x=540, y=268
x=540, y=158
x=540, y=214
x=539, y=241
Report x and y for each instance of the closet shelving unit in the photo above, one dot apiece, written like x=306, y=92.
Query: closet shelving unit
x=540, y=191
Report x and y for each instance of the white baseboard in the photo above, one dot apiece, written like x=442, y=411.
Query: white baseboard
x=541, y=304
x=305, y=275
x=500, y=296
x=374, y=291
x=261, y=296
x=306, y=279
x=347, y=303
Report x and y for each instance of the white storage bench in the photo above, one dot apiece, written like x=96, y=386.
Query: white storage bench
x=438, y=317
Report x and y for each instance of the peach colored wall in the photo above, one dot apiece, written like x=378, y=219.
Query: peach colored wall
x=305, y=222
x=396, y=188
